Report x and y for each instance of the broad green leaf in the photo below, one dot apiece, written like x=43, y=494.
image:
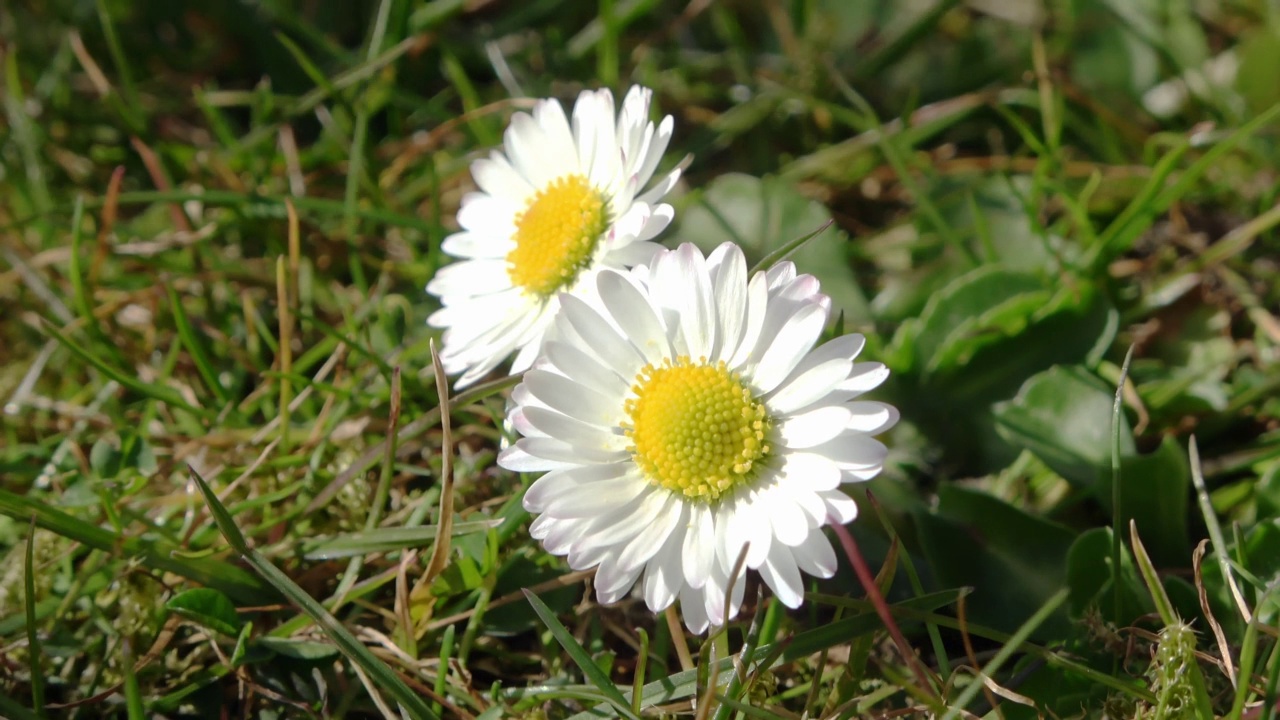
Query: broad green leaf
x=1090, y=578
x=1155, y=490
x=208, y=607
x=763, y=214
x=1063, y=416
x=1014, y=560
x=976, y=309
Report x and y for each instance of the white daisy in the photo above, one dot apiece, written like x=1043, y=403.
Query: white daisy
x=681, y=412
x=561, y=200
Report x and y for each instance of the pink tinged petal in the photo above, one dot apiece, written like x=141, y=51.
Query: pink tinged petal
x=813, y=427
x=815, y=556
x=583, y=369
x=795, y=339
x=757, y=309
x=561, y=454
x=653, y=536
x=790, y=527
x=692, y=610
x=780, y=573
x=660, y=216
x=560, y=393
x=517, y=421
x=871, y=417
x=562, y=427
x=699, y=551
x=840, y=507
x=613, y=583
x=602, y=340
x=865, y=376
x=728, y=269
x=495, y=176
x=781, y=274
x=633, y=313
x=810, y=471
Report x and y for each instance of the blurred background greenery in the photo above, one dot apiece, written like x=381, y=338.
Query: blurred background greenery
x=1021, y=193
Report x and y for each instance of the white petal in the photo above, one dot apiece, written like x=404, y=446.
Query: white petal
x=613, y=583
x=699, y=550
x=693, y=610
x=517, y=458
x=790, y=527
x=654, y=535
x=808, y=470
x=651, y=506
x=556, y=484
x=698, y=319
x=604, y=341
x=780, y=573
x=495, y=176
x=583, y=369
x=471, y=277
x=840, y=507
x=633, y=313
x=792, y=342
x=803, y=390
x=871, y=417
x=572, y=430
x=757, y=309
x=596, y=499
x=561, y=393
x=865, y=376
x=556, y=451
x=728, y=268
x=815, y=556
x=663, y=576
x=814, y=427
x=851, y=451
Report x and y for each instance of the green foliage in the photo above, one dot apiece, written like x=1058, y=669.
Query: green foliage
x=1004, y=198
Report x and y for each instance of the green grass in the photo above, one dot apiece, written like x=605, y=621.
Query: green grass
x=222, y=443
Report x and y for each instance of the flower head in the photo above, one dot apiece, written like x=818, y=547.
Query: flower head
x=560, y=201
x=681, y=413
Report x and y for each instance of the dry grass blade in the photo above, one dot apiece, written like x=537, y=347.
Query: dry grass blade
x=444, y=524
x=1224, y=649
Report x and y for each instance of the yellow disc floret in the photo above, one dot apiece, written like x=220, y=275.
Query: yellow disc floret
x=696, y=428
x=556, y=235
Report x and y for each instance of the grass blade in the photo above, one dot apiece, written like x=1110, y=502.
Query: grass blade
x=34, y=651
x=579, y=654
x=353, y=649
x=157, y=554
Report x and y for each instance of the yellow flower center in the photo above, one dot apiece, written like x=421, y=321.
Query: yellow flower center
x=696, y=428
x=556, y=235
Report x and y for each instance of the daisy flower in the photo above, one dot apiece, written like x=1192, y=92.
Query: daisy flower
x=681, y=413
x=562, y=199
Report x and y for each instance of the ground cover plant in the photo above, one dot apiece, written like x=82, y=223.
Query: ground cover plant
x=236, y=482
